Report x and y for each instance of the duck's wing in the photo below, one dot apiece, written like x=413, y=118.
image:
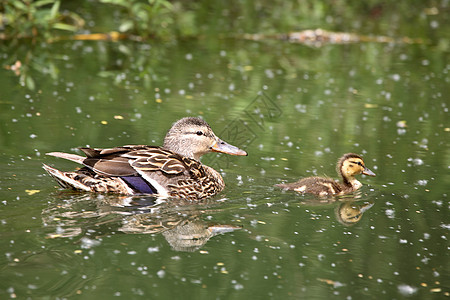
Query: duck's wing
x=157, y=159
x=132, y=160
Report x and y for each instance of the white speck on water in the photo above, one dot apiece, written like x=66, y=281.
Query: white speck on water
x=300, y=108
x=33, y=136
x=422, y=182
x=401, y=131
x=87, y=243
x=445, y=226
x=434, y=24
x=189, y=56
x=418, y=162
x=406, y=290
x=396, y=77
x=152, y=249
x=78, y=110
x=254, y=257
x=390, y=213
x=161, y=273
x=223, y=53
x=182, y=92
x=269, y=73
x=238, y=286
x=132, y=252
x=403, y=241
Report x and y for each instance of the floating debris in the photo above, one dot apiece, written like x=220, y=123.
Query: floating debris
x=32, y=192
x=318, y=37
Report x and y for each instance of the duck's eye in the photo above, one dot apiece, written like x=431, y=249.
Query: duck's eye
x=199, y=132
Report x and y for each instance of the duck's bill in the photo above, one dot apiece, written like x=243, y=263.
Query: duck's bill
x=223, y=147
x=368, y=172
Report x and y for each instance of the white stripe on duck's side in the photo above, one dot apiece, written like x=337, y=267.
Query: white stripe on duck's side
x=160, y=190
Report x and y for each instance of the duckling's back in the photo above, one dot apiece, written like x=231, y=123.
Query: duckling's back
x=314, y=185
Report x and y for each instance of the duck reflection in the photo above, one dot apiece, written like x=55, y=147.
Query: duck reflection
x=179, y=221
x=350, y=212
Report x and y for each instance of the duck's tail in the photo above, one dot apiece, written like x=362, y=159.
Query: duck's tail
x=72, y=157
x=85, y=180
x=64, y=179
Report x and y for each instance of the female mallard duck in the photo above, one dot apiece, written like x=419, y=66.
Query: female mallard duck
x=348, y=166
x=173, y=170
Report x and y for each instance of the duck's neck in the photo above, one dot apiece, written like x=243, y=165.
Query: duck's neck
x=351, y=182
x=181, y=149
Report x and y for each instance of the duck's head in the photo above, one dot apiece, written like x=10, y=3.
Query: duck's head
x=352, y=164
x=192, y=137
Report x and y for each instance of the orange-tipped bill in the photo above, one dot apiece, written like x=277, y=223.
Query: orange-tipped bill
x=368, y=172
x=222, y=147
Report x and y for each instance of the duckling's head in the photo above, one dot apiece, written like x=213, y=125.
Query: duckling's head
x=193, y=137
x=352, y=164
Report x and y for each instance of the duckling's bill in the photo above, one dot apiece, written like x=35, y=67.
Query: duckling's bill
x=223, y=147
x=368, y=172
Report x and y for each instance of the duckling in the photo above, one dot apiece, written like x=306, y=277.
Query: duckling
x=173, y=170
x=348, y=166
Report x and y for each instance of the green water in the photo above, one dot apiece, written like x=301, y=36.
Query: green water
x=295, y=109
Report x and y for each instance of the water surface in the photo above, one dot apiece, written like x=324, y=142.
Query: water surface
x=295, y=109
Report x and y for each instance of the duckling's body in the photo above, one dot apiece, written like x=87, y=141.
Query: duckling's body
x=348, y=166
x=172, y=170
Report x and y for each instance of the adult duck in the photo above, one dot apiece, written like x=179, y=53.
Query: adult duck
x=173, y=170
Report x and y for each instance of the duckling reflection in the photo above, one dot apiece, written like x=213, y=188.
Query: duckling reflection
x=349, y=212
x=179, y=221
x=348, y=209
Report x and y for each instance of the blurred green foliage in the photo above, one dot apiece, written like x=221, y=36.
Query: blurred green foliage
x=25, y=24
x=31, y=19
x=174, y=19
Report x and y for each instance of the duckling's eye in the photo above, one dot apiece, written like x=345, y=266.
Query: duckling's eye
x=199, y=133
x=359, y=163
